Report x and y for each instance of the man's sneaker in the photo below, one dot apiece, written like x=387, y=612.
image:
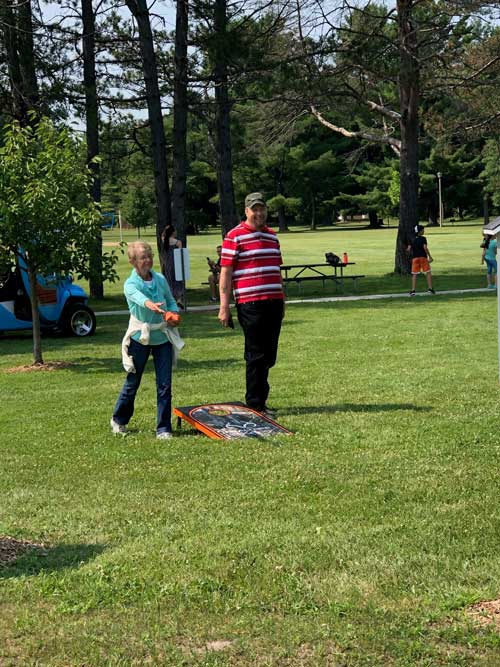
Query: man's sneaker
x=412, y=293
x=431, y=291
x=118, y=429
x=213, y=298
x=164, y=435
x=269, y=412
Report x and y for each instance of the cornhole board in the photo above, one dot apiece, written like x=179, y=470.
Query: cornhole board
x=228, y=421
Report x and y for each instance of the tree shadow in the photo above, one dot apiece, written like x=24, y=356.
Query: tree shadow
x=351, y=407
x=114, y=364
x=37, y=559
x=208, y=364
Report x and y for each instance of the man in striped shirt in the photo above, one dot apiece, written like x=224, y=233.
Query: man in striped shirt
x=250, y=263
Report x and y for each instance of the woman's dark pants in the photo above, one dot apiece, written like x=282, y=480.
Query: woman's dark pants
x=162, y=357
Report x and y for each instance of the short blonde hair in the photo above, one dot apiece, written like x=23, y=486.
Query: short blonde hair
x=135, y=248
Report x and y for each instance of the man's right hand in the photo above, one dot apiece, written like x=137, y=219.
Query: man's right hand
x=224, y=315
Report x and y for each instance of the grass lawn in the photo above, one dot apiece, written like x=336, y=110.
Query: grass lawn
x=455, y=249
x=359, y=541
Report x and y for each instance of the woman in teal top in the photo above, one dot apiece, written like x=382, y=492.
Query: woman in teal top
x=489, y=246
x=148, y=297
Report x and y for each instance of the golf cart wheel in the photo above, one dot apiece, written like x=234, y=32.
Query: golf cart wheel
x=79, y=320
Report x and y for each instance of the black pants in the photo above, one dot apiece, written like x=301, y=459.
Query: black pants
x=261, y=324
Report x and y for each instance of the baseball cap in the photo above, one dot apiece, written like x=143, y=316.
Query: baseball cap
x=253, y=199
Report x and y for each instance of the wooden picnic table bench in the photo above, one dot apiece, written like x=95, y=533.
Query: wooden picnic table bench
x=299, y=273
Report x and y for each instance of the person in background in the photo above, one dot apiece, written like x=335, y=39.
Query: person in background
x=170, y=243
x=489, y=256
x=153, y=314
x=214, y=275
x=250, y=264
x=421, y=260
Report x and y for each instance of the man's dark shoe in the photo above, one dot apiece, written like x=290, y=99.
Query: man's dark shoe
x=266, y=410
x=412, y=293
x=431, y=291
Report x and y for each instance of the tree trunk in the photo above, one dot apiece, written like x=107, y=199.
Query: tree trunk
x=374, y=221
x=140, y=12
x=282, y=223
x=92, y=137
x=223, y=146
x=486, y=208
x=313, y=213
x=35, y=317
x=17, y=29
x=7, y=24
x=179, y=169
x=433, y=214
x=27, y=53
x=409, y=93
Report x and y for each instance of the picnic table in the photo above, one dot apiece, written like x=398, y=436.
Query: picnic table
x=299, y=273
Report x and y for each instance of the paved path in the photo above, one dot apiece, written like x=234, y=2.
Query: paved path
x=330, y=299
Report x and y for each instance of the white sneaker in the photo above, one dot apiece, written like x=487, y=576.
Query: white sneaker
x=118, y=429
x=164, y=435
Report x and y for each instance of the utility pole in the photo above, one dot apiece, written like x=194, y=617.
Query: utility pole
x=439, y=174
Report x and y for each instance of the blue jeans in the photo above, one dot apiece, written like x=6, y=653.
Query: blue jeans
x=492, y=265
x=162, y=357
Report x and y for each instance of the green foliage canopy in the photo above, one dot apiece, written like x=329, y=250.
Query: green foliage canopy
x=45, y=205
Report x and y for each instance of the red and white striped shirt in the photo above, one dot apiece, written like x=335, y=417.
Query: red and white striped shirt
x=255, y=257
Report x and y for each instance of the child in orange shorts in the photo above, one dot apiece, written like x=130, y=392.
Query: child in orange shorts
x=421, y=260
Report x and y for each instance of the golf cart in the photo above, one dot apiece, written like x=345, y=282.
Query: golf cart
x=62, y=305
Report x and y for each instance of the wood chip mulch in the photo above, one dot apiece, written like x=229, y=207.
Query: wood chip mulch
x=486, y=613
x=11, y=549
x=49, y=366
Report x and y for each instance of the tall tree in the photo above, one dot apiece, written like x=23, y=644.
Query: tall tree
x=223, y=144
x=17, y=27
x=92, y=136
x=179, y=168
x=376, y=65
x=139, y=10
x=409, y=100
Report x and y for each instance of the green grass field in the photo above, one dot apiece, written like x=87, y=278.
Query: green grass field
x=361, y=540
x=455, y=249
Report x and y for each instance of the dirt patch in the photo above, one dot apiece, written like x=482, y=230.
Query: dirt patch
x=188, y=647
x=49, y=366
x=11, y=549
x=486, y=613
x=111, y=244
x=218, y=645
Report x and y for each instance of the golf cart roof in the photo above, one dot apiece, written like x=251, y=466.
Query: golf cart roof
x=492, y=228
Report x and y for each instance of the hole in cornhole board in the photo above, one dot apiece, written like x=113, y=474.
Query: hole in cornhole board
x=228, y=421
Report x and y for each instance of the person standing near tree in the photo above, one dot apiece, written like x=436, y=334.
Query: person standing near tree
x=214, y=275
x=170, y=243
x=489, y=246
x=250, y=264
x=421, y=260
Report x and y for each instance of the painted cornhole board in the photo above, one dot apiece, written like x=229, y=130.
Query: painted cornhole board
x=227, y=421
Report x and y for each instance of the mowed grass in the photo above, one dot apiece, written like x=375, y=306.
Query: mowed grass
x=358, y=541
x=455, y=249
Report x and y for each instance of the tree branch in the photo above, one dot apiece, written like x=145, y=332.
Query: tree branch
x=360, y=134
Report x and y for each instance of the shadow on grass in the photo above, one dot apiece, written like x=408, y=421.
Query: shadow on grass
x=351, y=407
x=36, y=559
x=114, y=364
